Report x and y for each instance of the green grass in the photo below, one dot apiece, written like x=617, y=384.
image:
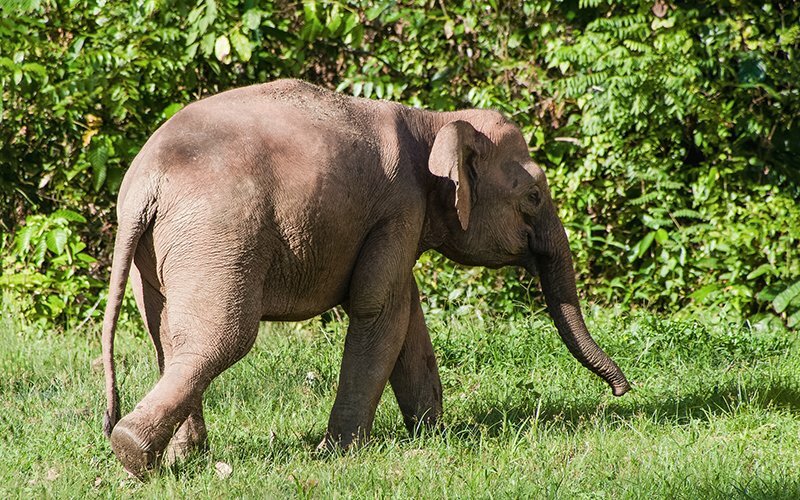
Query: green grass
x=715, y=413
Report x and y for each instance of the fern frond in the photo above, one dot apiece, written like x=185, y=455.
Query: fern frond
x=645, y=198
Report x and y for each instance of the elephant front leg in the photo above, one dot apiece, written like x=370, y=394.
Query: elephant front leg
x=370, y=352
x=415, y=377
x=378, y=307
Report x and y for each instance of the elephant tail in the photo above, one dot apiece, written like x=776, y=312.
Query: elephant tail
x=135, y=214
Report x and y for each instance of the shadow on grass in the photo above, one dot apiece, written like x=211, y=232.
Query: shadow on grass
x=568, y=414
x=699, y=405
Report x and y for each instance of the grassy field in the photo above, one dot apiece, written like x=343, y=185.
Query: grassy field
x=715, y=413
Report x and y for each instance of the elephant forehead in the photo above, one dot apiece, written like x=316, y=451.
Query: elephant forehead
x=510, y=139
x=523, y=174
x=535, y=171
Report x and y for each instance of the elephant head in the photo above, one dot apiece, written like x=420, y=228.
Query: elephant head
x=496, y=210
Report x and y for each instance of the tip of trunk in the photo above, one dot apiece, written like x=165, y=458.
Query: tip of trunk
x=620, y=388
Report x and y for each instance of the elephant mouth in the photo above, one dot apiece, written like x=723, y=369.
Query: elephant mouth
x=531, y=267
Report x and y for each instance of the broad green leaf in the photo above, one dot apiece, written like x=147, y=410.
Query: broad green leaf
x=759, y=271
x=376, y=10
x=242, y=46
x=77, y=246
x=76, y=47
x=455, y=294
x=36, y=68
x=98, y=158
x=56, y=304
x=351, y=21
x=793, y=320
x=442, y=74
x=781, y=301
x=222, y=48
x=207, y=44
x=56, y=240
x=170, y=110
x=313, y=26
x=354, y=37
x=644, y=244
x=85, y=258
x=769, y=293
x=39, y=251
x=704, y=292
x=462, y=310
x=194, y=15
x=310, y=10
x=334, y=20
x=98, y=155
x=210, y=15
x=252, y=19
x=68, y=215
x=24, y=236
x=63, y=260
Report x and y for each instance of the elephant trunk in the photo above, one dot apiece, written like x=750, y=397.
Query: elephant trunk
x=557, y=277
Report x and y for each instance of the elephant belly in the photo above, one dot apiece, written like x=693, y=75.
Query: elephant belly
x=307, y=276
x=283, y=301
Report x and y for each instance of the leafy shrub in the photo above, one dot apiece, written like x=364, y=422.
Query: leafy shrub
x=668, y=131
x=453, y=289
x=679, y=165
x=46, y=266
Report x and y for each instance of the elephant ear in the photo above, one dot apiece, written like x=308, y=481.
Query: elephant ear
x=453, y=148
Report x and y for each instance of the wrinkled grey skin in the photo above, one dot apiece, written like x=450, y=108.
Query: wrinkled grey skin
x=280, y=201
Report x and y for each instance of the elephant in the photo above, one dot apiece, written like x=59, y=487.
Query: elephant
x=281, y=200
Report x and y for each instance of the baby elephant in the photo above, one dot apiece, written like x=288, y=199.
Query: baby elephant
x=276, y=202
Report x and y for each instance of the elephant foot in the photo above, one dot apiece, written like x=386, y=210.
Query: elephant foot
x=423, y=421
x=341, y=442
x=178, y=451
x=190, y=438
x=139, y=439
x=136, y=455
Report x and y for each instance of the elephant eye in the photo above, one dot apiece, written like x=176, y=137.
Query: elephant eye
x=535, y=197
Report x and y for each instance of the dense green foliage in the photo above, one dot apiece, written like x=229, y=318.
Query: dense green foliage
x=669, y=132
x=713, y=414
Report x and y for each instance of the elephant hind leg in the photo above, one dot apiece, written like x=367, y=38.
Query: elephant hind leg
x=192, y=435
x=415, y=377
x=140, y=437
x=203, y=346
